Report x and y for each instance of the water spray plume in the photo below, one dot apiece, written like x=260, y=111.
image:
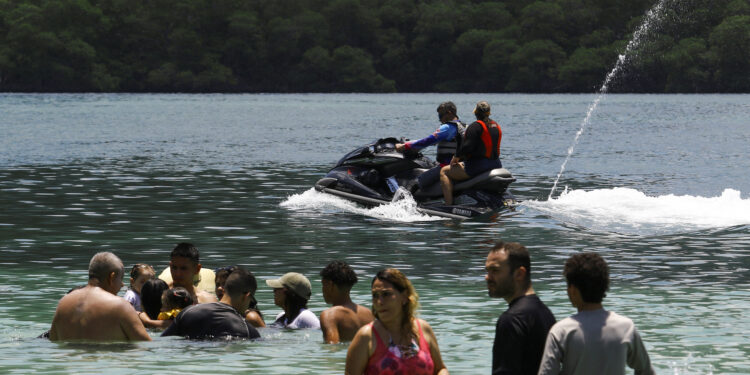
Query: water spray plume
x=652, y=16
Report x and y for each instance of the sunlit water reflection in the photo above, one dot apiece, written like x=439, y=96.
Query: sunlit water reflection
x=81, y=174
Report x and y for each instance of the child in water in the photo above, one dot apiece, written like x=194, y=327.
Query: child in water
x=173, y=301
x=138, y=276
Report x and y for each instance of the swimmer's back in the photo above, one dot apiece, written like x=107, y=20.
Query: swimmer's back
x=92, y=313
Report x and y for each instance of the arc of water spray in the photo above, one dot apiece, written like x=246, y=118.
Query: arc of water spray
x=652, y=16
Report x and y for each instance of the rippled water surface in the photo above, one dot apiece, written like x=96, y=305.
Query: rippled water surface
x=658, y=185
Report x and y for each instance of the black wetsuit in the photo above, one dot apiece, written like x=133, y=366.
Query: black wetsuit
x=211, y=320
x=520, y=336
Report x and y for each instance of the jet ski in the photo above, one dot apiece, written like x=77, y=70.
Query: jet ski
x=374, y=173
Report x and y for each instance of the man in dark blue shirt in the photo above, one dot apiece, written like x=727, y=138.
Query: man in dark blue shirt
x=223, y=319
x=521, y=331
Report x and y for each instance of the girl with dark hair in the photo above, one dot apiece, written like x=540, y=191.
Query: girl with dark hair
x=151, y=293
x=397, y=341
x=173, y=301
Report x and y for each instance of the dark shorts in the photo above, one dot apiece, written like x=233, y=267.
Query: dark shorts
x=431, y=176
x=474, y=167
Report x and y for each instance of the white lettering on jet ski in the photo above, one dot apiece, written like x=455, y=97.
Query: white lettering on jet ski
x=461, y=211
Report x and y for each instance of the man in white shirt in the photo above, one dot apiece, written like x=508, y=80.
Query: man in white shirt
x=594, y=341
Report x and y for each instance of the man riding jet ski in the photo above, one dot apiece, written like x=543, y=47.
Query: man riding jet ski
x=448, y=138
x=374, y=173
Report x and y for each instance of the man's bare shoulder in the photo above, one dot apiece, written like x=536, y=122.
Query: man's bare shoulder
x=205, y=297
x=338, y=313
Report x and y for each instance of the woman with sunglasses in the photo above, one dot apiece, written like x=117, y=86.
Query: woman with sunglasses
x=397, y=341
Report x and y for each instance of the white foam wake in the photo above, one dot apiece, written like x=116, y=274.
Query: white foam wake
x=629, y=211
x=402, y=210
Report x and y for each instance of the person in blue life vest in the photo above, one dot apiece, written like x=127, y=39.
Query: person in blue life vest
x=479, y=151
x=447, y=137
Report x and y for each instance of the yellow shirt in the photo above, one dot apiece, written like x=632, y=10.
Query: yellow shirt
x=166, y=315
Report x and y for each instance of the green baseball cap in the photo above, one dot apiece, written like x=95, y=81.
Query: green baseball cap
x=296, y=282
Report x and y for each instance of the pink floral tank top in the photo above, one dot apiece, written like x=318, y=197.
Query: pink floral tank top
x=385, y=361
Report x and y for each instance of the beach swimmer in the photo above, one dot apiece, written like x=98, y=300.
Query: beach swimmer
x=342, y=321
x=521, y=331
x=593, y=341
x=397, y=342
x=173, y=301
x=95, y=312
x=253, y=314
x=138, y=276
x=223, y=319
x=291, y=292
x=184, y=265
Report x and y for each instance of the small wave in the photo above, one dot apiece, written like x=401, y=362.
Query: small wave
x=402, y=210
x=629, y=211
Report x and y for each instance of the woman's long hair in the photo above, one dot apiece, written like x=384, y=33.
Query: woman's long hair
x=403, y=285
x=151, y=297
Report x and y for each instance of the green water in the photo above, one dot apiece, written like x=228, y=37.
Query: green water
x=135, y=174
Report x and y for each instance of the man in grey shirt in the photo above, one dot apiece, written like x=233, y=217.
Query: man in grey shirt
x=594, y=341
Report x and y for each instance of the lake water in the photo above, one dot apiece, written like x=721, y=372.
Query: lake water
x=658, y=185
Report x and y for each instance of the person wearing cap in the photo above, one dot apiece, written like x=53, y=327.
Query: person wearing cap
x=479, y=151
x=447, y=137
x=291, y=292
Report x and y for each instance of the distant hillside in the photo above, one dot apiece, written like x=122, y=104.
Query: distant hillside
x=369, y=46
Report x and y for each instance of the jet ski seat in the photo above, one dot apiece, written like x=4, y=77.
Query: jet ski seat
x=496, y=179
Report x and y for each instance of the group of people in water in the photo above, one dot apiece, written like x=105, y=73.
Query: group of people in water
x=387, y=338
x=189, y=301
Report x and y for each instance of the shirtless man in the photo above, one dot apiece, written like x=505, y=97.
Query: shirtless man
x=95, y=312
x=184, y=264
x=342, y=321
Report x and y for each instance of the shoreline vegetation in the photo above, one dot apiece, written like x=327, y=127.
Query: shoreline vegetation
x=370, y=46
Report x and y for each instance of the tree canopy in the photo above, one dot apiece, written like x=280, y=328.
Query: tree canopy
x=370, y=46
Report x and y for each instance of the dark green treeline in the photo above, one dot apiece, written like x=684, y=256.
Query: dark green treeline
x=369, y=46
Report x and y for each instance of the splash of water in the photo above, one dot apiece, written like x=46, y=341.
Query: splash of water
x=652, y=16
x=629, y=211
x=403, y=208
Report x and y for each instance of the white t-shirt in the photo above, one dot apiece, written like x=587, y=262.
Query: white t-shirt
x=305, y=319
x=594, y=342
x=134, y=299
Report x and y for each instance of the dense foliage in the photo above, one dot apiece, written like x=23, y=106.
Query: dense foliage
x=370, y=45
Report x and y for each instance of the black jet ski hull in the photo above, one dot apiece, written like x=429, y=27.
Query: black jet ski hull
x=372, y=174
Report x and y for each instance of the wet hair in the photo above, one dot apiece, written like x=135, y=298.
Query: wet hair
x=104, y=263
x=294, y=302
x=446, y=107
x=177, y=298
x=240, y=281
x=186, y=250
x=402, y=285
x=340, y=273
x=139, y=269
x=151, y=296
x=518, y=256
x=590, y=274
x=221, y=274
x=482, y=110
